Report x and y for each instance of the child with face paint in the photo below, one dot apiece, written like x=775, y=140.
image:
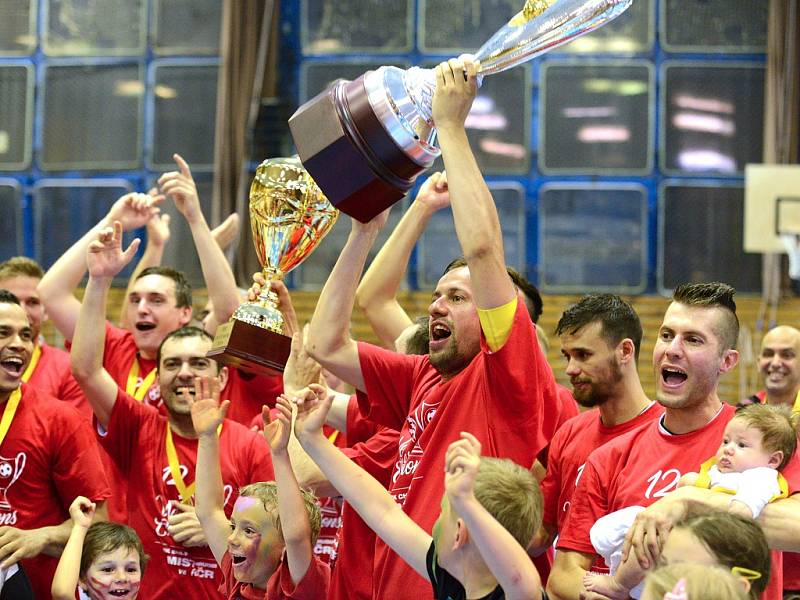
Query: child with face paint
x=104, y=560
x=490, y=510
x=266, y=550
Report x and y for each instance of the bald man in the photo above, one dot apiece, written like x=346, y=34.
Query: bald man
x=779, y=368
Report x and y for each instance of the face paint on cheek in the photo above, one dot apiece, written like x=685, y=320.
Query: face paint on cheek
x=97, y=589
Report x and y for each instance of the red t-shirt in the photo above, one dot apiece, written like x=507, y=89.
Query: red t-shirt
x=48, y=458
x=359, y=429
x=136, y=440
x=53, y=376
x=118, y=355
x=327, y=542
x=313, y=585
x=569, y=449
x=641, y=467
x=506, y=399
x=566, y=409
x=248, y=393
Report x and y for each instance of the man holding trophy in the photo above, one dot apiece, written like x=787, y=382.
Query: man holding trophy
x=485, y=372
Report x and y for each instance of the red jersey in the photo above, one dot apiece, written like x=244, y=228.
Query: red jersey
x=48, y=458
x=566, y=409
x=248, y=393
x=506, y=399
x=119, y=355
x=569, y=449
x=136, y=440
x=53, y=376
x=313, y=585
x=327, y=542
x=359, y=429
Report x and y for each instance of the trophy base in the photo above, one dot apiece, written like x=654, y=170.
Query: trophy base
x=244, y=346
x=349, y=153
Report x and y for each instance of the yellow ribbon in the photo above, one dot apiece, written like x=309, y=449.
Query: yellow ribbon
x=796, y=407
x=332, y=437
x=9, y=412
x=138, y=392
x=185, y=492
x=37, y=354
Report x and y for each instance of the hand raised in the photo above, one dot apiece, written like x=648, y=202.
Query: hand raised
x=313, y=404
x=158, y=231
x=276, y=431
x=227, y=231
x=301, y=370
x=456, y=87
x=105, y=257
x=462, y=460
x=134, y=210
x=180, y=186
x=207, y=412
x=434, y=193
x=82, y=511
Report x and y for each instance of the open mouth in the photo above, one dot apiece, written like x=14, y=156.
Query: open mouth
x=185, y=389
x=238, y=560
x=673, y=376
x=439, y=331
x=119, y=593
x=13, y=365
x=145, y=326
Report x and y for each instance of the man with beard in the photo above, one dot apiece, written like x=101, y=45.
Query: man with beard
x=157, y=454
x=485, y=372
x=600, y=340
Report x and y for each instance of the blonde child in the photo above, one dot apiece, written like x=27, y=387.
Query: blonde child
x=692, y=582
x=267, y=548
x=105, y=560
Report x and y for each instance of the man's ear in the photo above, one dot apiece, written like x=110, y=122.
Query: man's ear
x=730, y=359
x=775, y=459
x=186, y=315
x=223, y=375
x=626, y=351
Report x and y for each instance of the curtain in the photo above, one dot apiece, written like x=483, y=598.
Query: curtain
x=248, y=73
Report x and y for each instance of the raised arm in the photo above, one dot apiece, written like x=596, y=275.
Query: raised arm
x=67, y=573
x=207, y=415
x=329, y=340
x=476, y=221
x=59, y=283
x=372, y=502
x=221, y=284
x=377, y=293
x=105, y=258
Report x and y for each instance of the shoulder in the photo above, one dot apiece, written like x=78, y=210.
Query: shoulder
x=619, y=449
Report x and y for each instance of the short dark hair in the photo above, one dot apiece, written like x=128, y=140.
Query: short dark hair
x=617, y=318
x=7, y=297
x=183, y=289
x=419, y=341
x=105, y=536
x=184, y=332
x=713, y=295
x=533, y=299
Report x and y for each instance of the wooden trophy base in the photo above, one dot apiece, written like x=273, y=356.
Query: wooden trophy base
x=244, y=346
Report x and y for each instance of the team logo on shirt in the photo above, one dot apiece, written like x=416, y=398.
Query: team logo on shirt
x=10, y=470
x=167, y=506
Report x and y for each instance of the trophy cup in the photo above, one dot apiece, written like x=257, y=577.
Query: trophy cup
x=289, y=216
x=365, y=141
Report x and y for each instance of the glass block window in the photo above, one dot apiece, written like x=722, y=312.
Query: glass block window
x=65, y=209
x=316, y=76
x=593, y=237
x=701, y=237
x=714, y=25
x=339, y=26
x=199, y=28
x=92, y=116
x=314, y=271
x=16, y=115
x=185, y=102
x=10, y=219
x=439, y=244
x=94, y=28
x=630, y=33
x=712, y=117
x=456, y=26
x=17, y=27
x=596, y=117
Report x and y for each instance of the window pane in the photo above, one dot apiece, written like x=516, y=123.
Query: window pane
x=187, y=26
x=336, y=26
x=714, y=25
x=64, y=210
x=593, y=238
x=111, y=27
x=11, y=237
x=702, y=238
x=629, y=33
x=16, y=123
x=313, y=273
x=453, y=26
x=92, y=117
x=596, y=117
x=185, y=115
x=17, y=26
x=712, y=118
x=318, y=75
x=438, y=245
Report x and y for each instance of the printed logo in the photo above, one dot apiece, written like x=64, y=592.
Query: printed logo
x=10, y=471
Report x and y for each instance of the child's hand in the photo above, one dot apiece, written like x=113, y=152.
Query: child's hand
x=82, y=512
x=207, y=412
x=276, y=431
x=313, y=404
x=461, y=462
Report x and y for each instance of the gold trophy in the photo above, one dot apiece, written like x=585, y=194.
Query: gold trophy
x=289, y=216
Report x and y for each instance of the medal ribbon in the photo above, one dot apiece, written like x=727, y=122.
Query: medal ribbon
x=796, y=407
x=9, y=412
x=133, y=378
x=186, y=492
x=37, y=354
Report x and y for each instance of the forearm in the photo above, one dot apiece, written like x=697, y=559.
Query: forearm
x=295, y=525
x=780, y=521
x=209, y=493
x=217, y=272
x=307, y=472
x=56, y=537
x=566, y=578
x=337, y=415
x=506, y=559
x=151, y=257
x=67, y=573
x=90, y=332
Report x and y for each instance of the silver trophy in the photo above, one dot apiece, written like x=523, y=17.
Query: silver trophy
x=365, y=141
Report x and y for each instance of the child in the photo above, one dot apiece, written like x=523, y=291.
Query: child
x=489, y=512
x=692, y=582
x=759, y=440
x=267, y=548
x=106, y=558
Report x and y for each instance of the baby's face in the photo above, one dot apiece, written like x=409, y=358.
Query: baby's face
x=742, y=449
x=254, y=544
x=115, y=574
